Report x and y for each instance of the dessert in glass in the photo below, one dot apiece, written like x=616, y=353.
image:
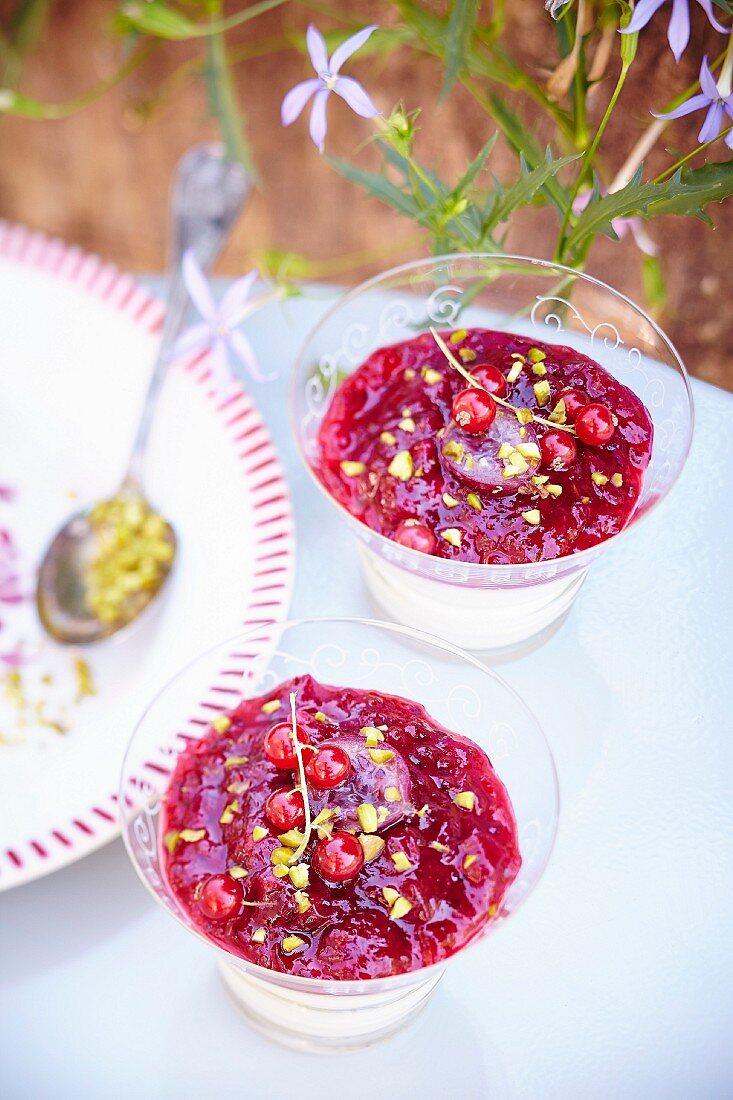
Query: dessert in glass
x=339, y=808
x=488, y=425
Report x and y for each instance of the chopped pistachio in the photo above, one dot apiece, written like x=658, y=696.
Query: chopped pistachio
x=190, y=836
x=407, y=424
x=553, y=490
x=453, y=449
x=401, y=466
x=388, y=439
x=400, y=909
x=458, y=335
x=468, y=861
x=299, y=875
x=171, y=841
x=323, y=822
x=617, y=480
x=390, y=895
x=381, y=756
x=409, y=374
x=281, y=855
x=529, y=450
x=372, y=846
x=367, y=815
x=382, y=814
x=438, y=846
x=292, y=943
x=532, y=516
x=392, y=794
x=542, y=392
x=449, y=501
x=238, y=872
x=292, y=839
x=518, y=355
x=505, y=450
x=598, y=479
x=522, y=432
x=514, y=371
x=467, y=354
x=475, y=501
x=280, y=871
x=221, y=723
x=585, y=500
x=319, y=716
x=492, y=910
x=524, y=416
x=235, y=761
x=372, y=734
x=451, y=535
x=536, y=355
x=259, y=935
x=540, y=479
x=270, y=707
x=407, y=411
x=559, y=414
x=401, y=862
x=539, y=369
x=258, y=833
x=302, y=901
x=465, y=799
x=431, y=376
x=423, y=810
x=352, y=469
x=228, y=814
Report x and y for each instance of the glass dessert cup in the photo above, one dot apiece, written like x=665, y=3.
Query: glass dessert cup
x=494, y=609
x=459, y=692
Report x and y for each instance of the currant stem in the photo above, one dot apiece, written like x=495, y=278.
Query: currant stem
x=303, y=784
x=477, y=385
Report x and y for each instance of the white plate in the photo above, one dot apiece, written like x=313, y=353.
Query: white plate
x=77, y=342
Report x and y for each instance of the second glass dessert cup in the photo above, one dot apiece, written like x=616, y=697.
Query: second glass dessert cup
x=494, y=609
x=457, y=691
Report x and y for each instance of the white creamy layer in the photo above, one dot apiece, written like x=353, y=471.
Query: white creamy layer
x=473, y=618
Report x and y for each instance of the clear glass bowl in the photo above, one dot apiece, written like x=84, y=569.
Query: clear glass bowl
x=457, y=691
x=491, y=608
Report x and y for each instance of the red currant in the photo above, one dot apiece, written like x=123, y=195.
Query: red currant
x=491, y=379
x=279, y=748
x=328, y=767
x=220, y=897
x=339, y=857
x=416, y=536
x=473, y=410
x=285, y=810
x=558, y=450
x=594, y=424
x=574, y=401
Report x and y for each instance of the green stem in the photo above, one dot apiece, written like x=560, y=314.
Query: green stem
x=688, y=157
x=223, y=101
x=587, y=161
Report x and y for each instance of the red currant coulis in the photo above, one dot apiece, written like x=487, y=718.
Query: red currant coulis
x=338, y=858
x=558, y=450
x=416, y=536
x=328, y=767
x=491, y=379
x=279, y=748
x=473, y=410
x=574, y=401
x=220, y=897
x=285, y=810
x=594, y=424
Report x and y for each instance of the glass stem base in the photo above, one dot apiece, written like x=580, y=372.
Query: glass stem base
x=323, y=1023
x=487, y=620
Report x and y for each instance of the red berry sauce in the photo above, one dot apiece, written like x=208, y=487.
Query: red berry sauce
x=383, y=896
x=392, y=450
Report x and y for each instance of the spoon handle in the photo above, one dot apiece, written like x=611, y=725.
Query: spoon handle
x=207, y=196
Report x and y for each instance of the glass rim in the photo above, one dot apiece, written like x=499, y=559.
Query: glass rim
x=347, y=985
x=515, y=569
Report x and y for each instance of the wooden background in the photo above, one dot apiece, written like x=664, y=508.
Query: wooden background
x=99, y=178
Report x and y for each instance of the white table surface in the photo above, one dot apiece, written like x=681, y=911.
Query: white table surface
x=615, y=980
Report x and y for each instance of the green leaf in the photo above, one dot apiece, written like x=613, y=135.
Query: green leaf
x=527, y=188
x=476, y=166
x=379, y=187
x=521, y=140
x=157, y=19
x=655, y=288
x=461, y=25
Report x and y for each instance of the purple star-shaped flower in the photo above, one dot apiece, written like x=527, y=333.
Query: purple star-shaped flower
x=716, y=98
x=217, y=332
x=328, y=80
x=678, y=31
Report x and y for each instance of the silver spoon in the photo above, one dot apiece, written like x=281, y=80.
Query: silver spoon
x=208, y=194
